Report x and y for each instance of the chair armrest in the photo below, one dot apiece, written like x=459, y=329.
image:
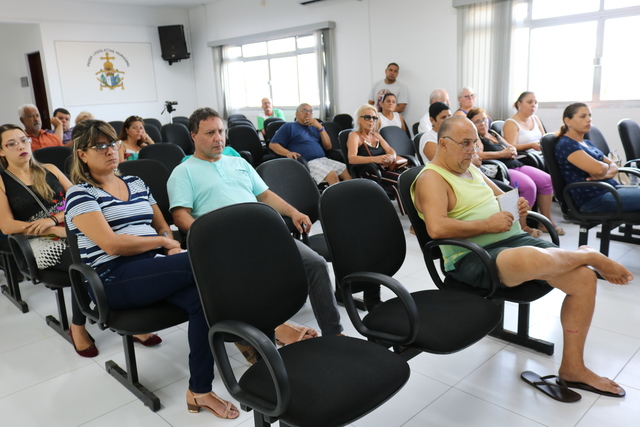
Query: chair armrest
x=270, y=356
x=630, y=171
x=484, y=256
x=628, y=163
x=502, y=168
x=80, y=275
x=589, y=215
x=411, y=159
x=397, y=288
x=25, y=259
x=373, y=169
x=247, y=156
x=537, y=158
x=553, y=233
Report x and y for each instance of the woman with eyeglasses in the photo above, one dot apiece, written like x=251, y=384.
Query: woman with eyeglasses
x=524, y=129
x=133, y=137
x=388, y=115
x=120, y=230
x=32, y=202
x=467, y=100
x=532, y=183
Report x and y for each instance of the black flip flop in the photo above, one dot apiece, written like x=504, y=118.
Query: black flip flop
x=551, y=389
x=587, y=387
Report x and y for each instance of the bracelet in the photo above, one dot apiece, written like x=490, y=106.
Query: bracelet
x=321, y=129
x=55, y=220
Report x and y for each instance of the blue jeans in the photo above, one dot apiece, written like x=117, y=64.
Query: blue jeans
x=606, y=203
x=142, y=280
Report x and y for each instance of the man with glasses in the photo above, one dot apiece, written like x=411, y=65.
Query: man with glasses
x=392, y=85
x=457, y=201
x=307, y=138
x=30, y=118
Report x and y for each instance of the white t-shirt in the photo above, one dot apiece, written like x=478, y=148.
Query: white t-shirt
x=397, y=88
x=425, y=123
x=384, y=122
x=430, y=136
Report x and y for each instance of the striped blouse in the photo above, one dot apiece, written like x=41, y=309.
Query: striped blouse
x=132, y=216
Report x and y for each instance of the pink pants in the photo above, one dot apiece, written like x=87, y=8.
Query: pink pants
x=530, y=181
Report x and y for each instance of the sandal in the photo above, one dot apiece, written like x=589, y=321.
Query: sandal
x=533, y=232
x=193, y=406
x=249, y=352
x=559, y=230
x=299, y=333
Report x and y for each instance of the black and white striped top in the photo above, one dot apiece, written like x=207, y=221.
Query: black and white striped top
x=132, y=216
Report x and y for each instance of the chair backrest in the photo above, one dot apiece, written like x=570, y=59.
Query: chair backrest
x=178, y=134
x=333, y=129
x=414, y=128
x=416, y=147
x=344, y=120
x=236, y=116
x=290, y=180
x=343, y=137
x=630, y=136
x=597, y=138
x=245, y=138
x=155, y=175
x=362, y=228
x=59, y=156
x=154, y=122
x=497, y=125
x=116, y=125
x=180, y=119
x=257, y=276
x=273, y=128
x=170, y=155
x=153, y=132
x=270, y=120
x=404, y=185
x=398, y=140
x=548, y=146
x=240, y=122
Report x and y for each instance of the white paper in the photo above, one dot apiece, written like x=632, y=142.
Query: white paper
x=508, y=202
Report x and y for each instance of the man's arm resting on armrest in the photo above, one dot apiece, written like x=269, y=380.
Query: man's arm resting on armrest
x=299, y=219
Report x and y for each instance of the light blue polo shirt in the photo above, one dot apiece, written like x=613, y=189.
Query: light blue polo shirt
x=204, y=186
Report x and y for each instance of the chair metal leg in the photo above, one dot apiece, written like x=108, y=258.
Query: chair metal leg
x=60, y=326
x=629, y=235
x=12, y=289
x=130, y=379
x=521, y=337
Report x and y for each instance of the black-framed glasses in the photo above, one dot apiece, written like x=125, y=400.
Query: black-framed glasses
x=467, y=145
x=103, y=147
x=367, y=117
x=306, y=111
x=13, y=145
x=482, y=121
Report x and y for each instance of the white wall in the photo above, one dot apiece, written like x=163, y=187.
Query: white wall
x=420, y=35
x=72, y=21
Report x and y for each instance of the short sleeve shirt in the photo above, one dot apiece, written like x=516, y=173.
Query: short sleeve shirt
x=302, y=139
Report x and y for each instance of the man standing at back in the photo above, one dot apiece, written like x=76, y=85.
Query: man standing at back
x=30, y=118
x=438, y=95
x=392, y=85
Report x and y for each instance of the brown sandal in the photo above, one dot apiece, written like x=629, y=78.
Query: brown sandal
x=300, y=332
x=193, y=406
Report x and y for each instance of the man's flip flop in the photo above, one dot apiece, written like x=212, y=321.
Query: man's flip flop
x=551, y=389
x=587, y=387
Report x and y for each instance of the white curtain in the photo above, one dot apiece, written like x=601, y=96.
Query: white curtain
x=484, y=46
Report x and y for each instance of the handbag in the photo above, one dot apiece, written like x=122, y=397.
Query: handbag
x=47, y=250
x=397, y=164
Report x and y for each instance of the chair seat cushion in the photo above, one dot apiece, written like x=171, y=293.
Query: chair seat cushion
x=54, y=279
x=524, y=293
x=331, y=380
x=145, y=320
x=449, y=320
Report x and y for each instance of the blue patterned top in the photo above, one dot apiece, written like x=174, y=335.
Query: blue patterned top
x=571, y=173
x=132, y=216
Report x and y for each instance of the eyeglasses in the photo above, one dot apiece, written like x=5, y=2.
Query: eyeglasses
x=467, y=146
x=304, y=110
x=14, y=144
x=367, y=117
x=479, y=122
x=102, y=148
x=471, y=95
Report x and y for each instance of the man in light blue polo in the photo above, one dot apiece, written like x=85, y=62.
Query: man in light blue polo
x=209, y=180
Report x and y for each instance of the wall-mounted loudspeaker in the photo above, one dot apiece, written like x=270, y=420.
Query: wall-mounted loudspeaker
x=172, y=43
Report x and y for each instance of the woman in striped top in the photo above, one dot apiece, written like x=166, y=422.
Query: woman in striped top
x=120, y=230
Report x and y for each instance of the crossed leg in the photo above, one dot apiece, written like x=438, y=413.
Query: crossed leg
x=567, y=271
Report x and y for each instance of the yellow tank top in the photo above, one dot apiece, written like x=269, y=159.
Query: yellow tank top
x=475, y=201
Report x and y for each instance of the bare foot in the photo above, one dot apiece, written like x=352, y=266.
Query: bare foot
x=612, y=271
x=591, y=378
x=217, y=405
x=81, y=337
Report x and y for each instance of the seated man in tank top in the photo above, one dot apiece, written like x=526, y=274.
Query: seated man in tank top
x=457, y=201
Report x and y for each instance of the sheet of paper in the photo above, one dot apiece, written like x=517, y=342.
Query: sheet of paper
x=508, y=202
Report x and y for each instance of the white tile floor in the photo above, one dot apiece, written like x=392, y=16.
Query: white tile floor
x=44, y=383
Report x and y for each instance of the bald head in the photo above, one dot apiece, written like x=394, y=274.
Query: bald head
x=452, y=125
x=439, y=95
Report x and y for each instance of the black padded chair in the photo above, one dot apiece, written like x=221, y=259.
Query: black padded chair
x=522, y=295
x=153, y=122
x=400, y=142
x=245, y=138
x=291, y=181
x=629, y=132
x=322, y=382
x=178, y=134
x=597, y=138
x=333, y=130
x=126, y=323
x=153, y=132
x=170, y=155
x=272, y=128
x=343, y=120
x=59, y=156
x=270, y=120
x=181, y=120
x=587, y=220
x=416, y=146
x=414, y=128
x=12, y=275
x=236, y=116
x=155, y=175
x=116, y=125
x=497, y=126
x=240, y=122
x=368, y=247
x=56, y=280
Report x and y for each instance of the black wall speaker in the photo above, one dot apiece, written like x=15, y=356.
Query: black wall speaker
x=172, y=43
